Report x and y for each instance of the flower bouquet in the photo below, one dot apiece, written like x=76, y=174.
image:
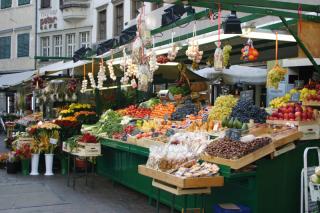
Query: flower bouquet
x=3, y=160
x=69, y=127
x=24, y=154
x=12, y=163
x=87, y=117
x=80, y=107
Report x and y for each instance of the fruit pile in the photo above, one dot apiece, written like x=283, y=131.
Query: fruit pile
x=222, y=107
x=234, y=123
x=160, y=110
x=305, y=93
x=182, y=111
x=293, y=112
x=280, y=101
x=246, y=110
x=135, y=112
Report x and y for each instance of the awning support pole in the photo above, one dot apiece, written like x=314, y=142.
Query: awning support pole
x=300, y=43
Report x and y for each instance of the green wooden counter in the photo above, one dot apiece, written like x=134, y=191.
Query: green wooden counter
x=273, y=187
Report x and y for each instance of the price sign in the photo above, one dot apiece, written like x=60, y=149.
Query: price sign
x=233, y=134
x=53, y=141
x=246, y=95
x=165, y=117
x=295, y=97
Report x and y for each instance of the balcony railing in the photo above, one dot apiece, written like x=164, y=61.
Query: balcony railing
x=64, y=4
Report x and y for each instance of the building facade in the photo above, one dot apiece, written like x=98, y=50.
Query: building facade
x=63, y=27
x=17, y=36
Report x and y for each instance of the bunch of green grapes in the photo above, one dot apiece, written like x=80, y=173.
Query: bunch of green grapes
x=226, y=55
x=275, y=75
x=305, y=92
x=222, y=107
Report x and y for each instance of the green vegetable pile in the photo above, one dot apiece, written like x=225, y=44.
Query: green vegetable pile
x=109, y=123
x=183, y=90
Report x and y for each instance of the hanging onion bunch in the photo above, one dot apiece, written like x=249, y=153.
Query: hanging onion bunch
x=37, y=82
x=101, y=75
x=111, y=70
x=275, y=75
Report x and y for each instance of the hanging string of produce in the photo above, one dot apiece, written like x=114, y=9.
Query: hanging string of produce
x=101, y=74
x=84, y=85
x=218, y=53
x=153, y=59
x=172, y=54
x=91, y=78
x=249, y=53
x=277, y=73
x=193, y=52
x=110, y=68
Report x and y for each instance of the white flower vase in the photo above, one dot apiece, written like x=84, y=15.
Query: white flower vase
x=49, y=163
x=34, y=164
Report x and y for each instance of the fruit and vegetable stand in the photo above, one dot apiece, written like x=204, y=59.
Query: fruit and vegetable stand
x=273, y=187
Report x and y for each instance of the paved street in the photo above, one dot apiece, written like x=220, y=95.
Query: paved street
x=19, y=194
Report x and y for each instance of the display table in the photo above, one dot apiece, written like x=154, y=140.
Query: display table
x=74, y=175
x=273, y=187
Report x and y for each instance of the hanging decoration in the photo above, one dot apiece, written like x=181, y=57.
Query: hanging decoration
x=226, y=55
x=277, y=73
x=193, y=52
x=37, y=82
x=249, y=53
x=172, y=53
x=72, y=85
x=91, y=78
x=218, y=53
x=84, y=85
x=101, y=74
x=110, y=68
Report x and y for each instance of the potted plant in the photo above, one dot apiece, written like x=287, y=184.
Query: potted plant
x=12, y=163
x=24, y=154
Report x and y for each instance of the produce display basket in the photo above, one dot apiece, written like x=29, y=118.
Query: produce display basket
x=314, y=191
x=83, y=149
x=181, y=182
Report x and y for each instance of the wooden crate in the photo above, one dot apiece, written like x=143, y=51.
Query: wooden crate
x=311, y=103
x=147, y=142
x=183, y=183
x=244, y=161
x=296, y=123
x=286, y=138
x=84, y=149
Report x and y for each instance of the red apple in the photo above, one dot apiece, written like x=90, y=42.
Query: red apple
x=275, y=114
x=291, y=115
x=297, y=114
x=285, y=116
x=280, y=115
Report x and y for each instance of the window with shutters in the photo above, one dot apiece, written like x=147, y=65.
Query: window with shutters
x=6, y=4
x=102, y=25
x=57, y=45
x=118, y=19
x=23, y=2
x=70, y=44
x=23, y=45
x=45, y=4
x=84, y=39
x=5, y=47
x=135, y=6
x=45, y=46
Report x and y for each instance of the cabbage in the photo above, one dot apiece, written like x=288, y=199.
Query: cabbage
x=317, y=170
x=315, y=179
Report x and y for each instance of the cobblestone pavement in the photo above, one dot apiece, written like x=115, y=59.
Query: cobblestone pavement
x=27, y=194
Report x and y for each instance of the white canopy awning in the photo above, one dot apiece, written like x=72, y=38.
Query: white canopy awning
x=237, y=74
x=59, y=66
x=9, y=80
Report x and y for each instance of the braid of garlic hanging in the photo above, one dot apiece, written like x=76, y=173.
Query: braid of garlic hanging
x=123, y=62
x=101, y=74
x=172, y=53
x=84, y=86
x=92, y=81
x=193, y=52
x=110, y=68
x=132, y=69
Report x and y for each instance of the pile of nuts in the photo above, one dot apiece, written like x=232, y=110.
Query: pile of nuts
x=230, y=149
